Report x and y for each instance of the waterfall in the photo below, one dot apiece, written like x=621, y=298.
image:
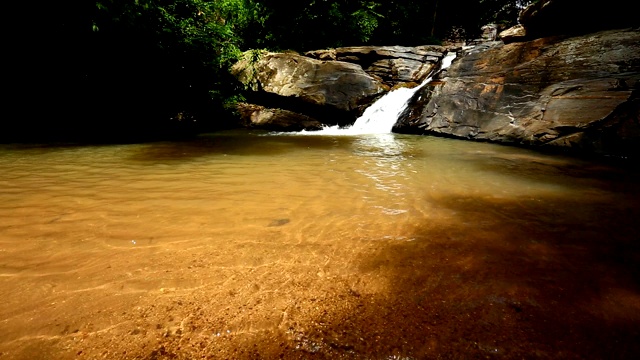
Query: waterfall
x=380, y=117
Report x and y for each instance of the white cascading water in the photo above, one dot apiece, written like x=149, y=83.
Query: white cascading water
x=380, y=117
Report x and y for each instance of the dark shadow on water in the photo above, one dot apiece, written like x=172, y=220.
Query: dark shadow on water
x=236, y=143
x=551, y=278
x=512, y=279
x=560, y=170
x=556, y=278
x=242, y=142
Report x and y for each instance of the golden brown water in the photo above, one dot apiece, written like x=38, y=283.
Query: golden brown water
x=239, y=246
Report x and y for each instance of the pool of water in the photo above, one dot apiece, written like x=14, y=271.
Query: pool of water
x=254, y=245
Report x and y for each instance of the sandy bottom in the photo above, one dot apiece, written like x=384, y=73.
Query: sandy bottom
x=105, y=254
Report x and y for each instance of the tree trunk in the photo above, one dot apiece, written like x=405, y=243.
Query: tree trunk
x=433, y=22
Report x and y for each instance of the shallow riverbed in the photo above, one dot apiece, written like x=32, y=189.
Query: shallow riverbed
x=252, y=245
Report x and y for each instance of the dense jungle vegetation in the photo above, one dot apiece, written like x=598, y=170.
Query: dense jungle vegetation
x=124, y=68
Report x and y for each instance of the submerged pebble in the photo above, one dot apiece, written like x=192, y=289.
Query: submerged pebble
x=279, y=222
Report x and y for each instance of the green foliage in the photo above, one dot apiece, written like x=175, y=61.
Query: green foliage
x=210, y=28
x=253, y=55
x=366, y=19
x=315, y=24
x=250, y=59
x=178, y=52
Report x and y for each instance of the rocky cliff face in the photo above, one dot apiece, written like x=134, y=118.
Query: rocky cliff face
x=551, y=82
x=578, y=92
x=326, y=87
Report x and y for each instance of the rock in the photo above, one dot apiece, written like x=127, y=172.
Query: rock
x=256, y=116
x=489, y=32
x=326, y=87
x=513, y=34
x=394, y=65
x=278, y=222
x=575, y=17
x=580, y=93
x=340, y=86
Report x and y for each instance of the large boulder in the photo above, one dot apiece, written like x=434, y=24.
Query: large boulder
x=513, y=34
x=256, y=116
x=581, y=93
x=394, y=65
x=332, y=90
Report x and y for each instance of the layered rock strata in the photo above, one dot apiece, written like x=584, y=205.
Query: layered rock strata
x=394, y=65
x=579, y=92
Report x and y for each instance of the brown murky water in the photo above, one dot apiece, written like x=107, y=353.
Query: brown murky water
x=240, y=246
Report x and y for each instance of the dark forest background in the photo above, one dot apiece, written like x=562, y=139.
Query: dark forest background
x=127, y=70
